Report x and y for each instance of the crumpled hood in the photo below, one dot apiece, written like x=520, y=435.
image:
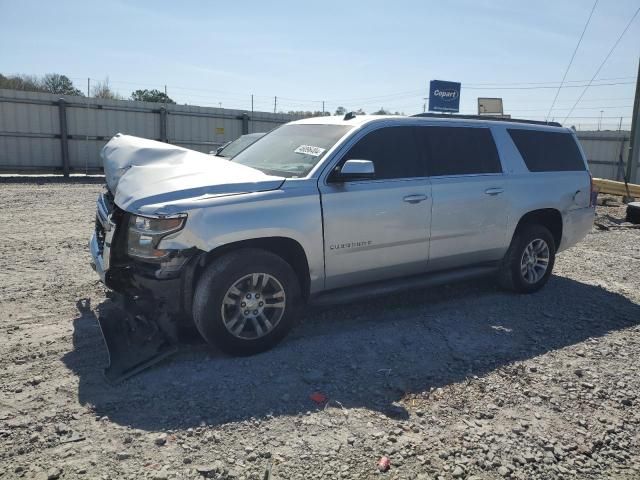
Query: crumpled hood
x=146, y=176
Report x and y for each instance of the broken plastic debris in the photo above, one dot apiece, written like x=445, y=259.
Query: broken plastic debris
x=384, y=464
x=319, y=398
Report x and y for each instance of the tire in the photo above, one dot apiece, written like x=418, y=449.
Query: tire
x=633, y=212
x=217, y=321
x=516, y=277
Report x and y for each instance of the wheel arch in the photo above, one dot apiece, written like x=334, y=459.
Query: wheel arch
x=290, y=250
x=549, y=218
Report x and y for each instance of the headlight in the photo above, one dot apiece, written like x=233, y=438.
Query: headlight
x=146, y=232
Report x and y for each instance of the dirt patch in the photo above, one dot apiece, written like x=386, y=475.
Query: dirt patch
x=462, y=381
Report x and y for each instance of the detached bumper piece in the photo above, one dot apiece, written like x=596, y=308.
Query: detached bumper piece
x=136, y=338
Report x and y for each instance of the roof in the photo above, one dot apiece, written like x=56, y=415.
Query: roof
x=432, y=119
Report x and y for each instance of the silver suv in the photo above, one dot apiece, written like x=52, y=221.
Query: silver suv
x=332, y=209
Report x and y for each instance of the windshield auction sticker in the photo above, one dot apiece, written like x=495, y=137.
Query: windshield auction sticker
x=309, y=150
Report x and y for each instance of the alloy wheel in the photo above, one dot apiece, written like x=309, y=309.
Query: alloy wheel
x=253, y=306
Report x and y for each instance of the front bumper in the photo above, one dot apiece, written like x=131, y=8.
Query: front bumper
x=167, y=285
x=97, y=262
x=152, y=301
x=100, y=243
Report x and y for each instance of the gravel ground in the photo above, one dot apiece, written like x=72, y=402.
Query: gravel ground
x=461, y=381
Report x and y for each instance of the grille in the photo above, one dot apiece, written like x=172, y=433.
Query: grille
x=100, y=234
x=105, y=207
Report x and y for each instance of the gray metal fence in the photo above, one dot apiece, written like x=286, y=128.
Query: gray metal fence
x=46, y=132
x=607, y=154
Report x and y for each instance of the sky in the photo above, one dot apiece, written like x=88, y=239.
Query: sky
x=356, y=54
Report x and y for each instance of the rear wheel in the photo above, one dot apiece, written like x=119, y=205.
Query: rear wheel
x=529, y=261
x=246, y=301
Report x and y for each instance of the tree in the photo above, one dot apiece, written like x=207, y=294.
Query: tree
x=151, y=96
x=60, y=85
x=382, y=111
x=103, y=90
x=302, y=113
x=360, y=112
x=28, y=83
x=340, y=111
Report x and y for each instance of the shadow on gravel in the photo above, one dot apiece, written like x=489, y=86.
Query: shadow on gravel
x=366, y=354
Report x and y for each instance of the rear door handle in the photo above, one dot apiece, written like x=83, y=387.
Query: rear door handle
x=414, y=198
x=494, y=191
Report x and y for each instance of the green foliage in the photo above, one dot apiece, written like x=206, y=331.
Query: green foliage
x=59, y=84
x=21, y=82
x=340, y=111
x=50, y=83
x=308, y=113
x=151, y=96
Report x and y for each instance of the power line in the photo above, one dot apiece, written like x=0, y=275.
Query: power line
x=543, y=83
x=603, y=62
x=572, y=57
x=580, y=108
x=547, y=87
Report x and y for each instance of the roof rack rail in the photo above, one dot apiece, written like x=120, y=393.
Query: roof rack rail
x=487, y=117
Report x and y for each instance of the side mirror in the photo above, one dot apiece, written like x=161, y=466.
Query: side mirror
x=356, y=170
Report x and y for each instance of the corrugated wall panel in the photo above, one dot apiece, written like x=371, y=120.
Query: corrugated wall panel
x=603, y=151
x=199, y=128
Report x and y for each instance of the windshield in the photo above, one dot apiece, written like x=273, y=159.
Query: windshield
x=292, y=150
x=235, y=147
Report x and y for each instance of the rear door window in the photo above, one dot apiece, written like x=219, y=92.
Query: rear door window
x=547, y=151
x=459, y=150
x=393, y=151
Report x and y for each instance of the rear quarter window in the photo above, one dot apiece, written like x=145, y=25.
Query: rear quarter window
x=547, y=151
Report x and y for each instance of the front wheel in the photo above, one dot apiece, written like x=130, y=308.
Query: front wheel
x=246, y=301
x=529, y=261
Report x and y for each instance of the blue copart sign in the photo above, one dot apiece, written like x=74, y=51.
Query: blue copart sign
x=444, y=96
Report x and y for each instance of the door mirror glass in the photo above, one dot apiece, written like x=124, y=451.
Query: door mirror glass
x=356, y=170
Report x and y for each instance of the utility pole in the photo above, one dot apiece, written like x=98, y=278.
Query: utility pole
x=86, y=157
x=275, y=103
x=252, y=104
x=600, y=120
x=634, y=143
x=323, y=108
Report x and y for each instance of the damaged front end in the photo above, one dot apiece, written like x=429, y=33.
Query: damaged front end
x=142, y=247
x=151, y=286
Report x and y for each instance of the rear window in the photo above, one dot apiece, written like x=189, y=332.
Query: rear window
x=547, y=151
x=459, y=150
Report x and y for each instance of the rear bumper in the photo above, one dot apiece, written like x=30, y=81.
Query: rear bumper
x=575, y=226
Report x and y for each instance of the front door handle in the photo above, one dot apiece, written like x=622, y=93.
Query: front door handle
x=414, y=198
x=494, y=191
